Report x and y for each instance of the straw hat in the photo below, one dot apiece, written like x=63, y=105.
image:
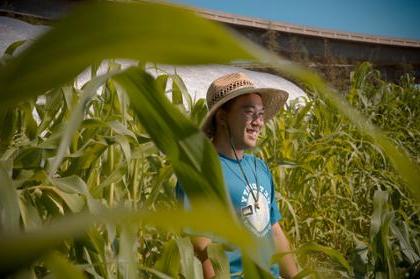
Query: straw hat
x=233, y=85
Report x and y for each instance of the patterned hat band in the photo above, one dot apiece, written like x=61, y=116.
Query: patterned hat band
x=222, y=92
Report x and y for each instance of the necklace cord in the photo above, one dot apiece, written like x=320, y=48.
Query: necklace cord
x=256, y=198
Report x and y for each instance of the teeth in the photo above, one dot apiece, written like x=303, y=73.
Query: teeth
x=253, y=133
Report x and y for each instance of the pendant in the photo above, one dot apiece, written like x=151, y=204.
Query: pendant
x=256, y=205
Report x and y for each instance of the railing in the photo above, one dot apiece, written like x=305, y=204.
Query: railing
x=302, y=30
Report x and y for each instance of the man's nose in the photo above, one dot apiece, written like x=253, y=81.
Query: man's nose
x=258, y=121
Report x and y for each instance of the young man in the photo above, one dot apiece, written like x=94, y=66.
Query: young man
x=237, y=113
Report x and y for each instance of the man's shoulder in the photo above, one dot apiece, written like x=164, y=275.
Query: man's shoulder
x=258, y=161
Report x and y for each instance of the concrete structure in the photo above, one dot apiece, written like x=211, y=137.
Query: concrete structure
x=318, y=48
x=322, y=48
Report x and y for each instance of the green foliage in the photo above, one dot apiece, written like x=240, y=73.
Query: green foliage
x=172, y=41
x=90, y=172
x=104, y=157
x=338, y=187
x=61, y=268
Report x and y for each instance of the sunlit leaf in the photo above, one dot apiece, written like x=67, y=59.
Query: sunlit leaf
x=141, y=31
x=219, y=260
x=76, y=118
x=127, y=255
x=406, y=167
x=71, y=184
x=185, y=145
x=190, y=265
x=20, y=249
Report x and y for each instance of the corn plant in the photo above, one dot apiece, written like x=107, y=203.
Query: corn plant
x=337, y=186
x=87, y=174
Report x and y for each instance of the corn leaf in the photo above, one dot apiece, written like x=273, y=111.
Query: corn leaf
x=190, y=152
x=60, y=267
x=406, y=167
x=9, y=206
x=146, y=31
x=20, y=249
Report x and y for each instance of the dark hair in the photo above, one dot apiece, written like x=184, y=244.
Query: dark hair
x=213, y=126
x=226, y=106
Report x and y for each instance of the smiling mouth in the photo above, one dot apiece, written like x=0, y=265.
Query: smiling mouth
x=252, y=133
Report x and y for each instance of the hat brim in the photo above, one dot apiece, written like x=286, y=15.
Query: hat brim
x=273, y=100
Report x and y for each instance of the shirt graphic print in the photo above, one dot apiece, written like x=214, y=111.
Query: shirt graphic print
x=255, y=215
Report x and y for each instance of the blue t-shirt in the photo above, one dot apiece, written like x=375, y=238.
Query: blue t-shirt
x=257, y=220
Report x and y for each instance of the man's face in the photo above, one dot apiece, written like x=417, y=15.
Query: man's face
x=246, y=119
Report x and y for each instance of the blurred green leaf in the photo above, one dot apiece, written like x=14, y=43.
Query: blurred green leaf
x=198, y=112
x=20, y=249
x=115, y=176
x=359, y=258
x=169, y=263
x=30, y=216
x=127, y=255
x=156, y=273
x=12, y=48
x=190, y=152
x=163, y=176
x=332, y=253
x=71, y=184
x=9, y=206
x=326, y=169
x=305, y=273
x=120, y=129
x=251, y=270
x=219, y=259
x=86, y=156
x=60, y=267
x=30, y=158
x=74, y=201
x=176, y=94
x=141, y=31
x=190, y=265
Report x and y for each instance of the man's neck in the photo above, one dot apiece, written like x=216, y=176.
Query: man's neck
x=223, y=147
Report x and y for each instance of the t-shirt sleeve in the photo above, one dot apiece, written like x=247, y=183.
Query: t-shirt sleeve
x=275, y=214
x=179, y=192
x=181, y=196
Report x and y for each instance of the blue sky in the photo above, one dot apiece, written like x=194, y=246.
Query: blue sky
x=391, y=18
